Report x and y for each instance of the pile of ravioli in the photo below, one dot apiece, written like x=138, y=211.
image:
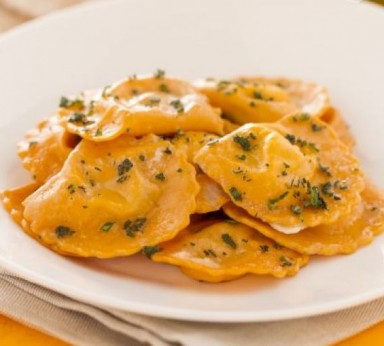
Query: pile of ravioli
x=221, y=178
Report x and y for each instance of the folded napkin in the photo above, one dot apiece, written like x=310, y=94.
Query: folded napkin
x=83, y=324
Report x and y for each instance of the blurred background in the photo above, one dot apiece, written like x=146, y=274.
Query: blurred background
x=14, y=12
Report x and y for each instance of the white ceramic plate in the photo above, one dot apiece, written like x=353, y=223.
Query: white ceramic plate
x=337, y=43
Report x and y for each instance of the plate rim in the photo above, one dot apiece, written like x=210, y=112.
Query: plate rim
x=183, y=314
x=221, y=316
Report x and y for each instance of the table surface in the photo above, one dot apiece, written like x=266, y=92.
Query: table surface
x=12, y=333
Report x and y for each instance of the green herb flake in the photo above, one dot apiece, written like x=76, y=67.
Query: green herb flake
x=153, y=101
x=168, y=151
x=316, y=128
x=136, y=225
x=78, y=118
x=124, y=167
x=71, y=188
x=258, y=95
x=295, y=209
x=285, y=262
x=241, y=157
x=264, y=248
x=301, y=117
x=286, y=165
x=105, y=91
x=291, y=138
x=327, y=189
x=325, y=169
x=149, y=251
x=64, y=102
x=63, y=232
x=160, y=176
x=231, y=222
x=159, y=74
x=98, y=133
x=272, y=203
x=243, y=142
x=316, y=200
x=107, y=226
x=228, y=240
x=164, y=88
x=277, y=246
x=236, y=195
x=210, y=252
x=178, y=105
x=32, y=144
x=141, y=157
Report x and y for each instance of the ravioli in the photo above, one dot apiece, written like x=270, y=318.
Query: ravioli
x=341, y=237
x=226, y=250
x=229, y=126
x=295, y=173
x=113, y=198
x=211, y=196
x=45, y=149
x=245, y=100
x=145, y=105
x=337, y=122
x=13, y=200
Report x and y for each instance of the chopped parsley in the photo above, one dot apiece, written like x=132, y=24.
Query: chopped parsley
x=316, y=200
x=159, y=73
x=291, y=138
x=316, y=128
x=285, y=262
x=272, y=203
x=301, y=117
x=236, y=195
x=78, y=118
x=243, y=142
x=277, y=246
x=153, y=101
x=160, y=176
x=258, y=95
x=141, y=157
x=301, y=142
x=178, y=105
x=325, y=169
x=63, y=231
x=136, y=225
x=124, y=167
x=164, y=88
x=98, y=133
x=228, y=240
x=241, y=157
x=264, y=248
x=149, y=251
x=231, y=222
x=107, y=226
x=71, y=188
x=168, y=151
x=65, y=102
x=210, y=252
x=295, y=209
